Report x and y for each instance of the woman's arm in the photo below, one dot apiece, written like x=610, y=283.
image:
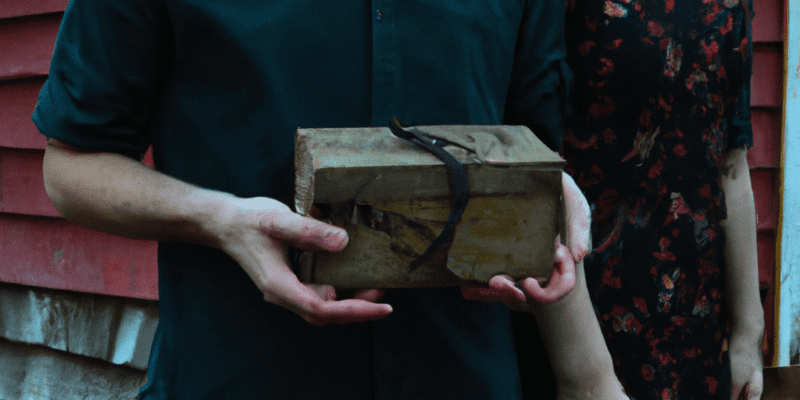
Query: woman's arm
x=741, y=277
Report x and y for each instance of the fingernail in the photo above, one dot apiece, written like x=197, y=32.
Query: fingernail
x=336, y=237
x=508, y=283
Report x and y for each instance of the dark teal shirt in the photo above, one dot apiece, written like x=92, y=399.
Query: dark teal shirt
x=218, y=89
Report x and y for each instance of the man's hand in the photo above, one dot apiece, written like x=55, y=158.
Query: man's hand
x=562, y=280
x=257, y=234
x=119, y=195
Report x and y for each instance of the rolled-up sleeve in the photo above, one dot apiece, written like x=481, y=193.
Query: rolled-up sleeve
x=110, y=59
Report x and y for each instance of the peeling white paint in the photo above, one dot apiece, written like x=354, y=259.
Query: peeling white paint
x=115, y=329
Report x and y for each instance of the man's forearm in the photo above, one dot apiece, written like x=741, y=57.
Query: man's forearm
x=740, y=249
x=119, y=195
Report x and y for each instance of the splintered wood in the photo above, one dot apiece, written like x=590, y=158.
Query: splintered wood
x=393, y=199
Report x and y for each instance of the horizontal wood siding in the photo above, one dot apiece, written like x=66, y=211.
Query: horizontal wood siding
x=37, y=247
x=19, y=8
x=764, y=157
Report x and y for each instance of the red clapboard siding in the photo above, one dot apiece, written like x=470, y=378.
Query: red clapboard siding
x=17, y=100
x=767, y=86
x=19, y=8
x=765, y=152
x=766, y=259
x=768, y=21
x=26, y=45
x=54, y=253
x=764, y=189
x=21, y=183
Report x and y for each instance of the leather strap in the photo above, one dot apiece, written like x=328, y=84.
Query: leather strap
x=457, y=178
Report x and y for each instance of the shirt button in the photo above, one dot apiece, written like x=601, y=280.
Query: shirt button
x=379, y=15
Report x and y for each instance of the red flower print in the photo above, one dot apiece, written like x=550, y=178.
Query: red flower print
x=641, y=304
x=574, y=142
x=617, y=43
x=586, y=47
x=705, y=191
x=603, y=108
x=712, y=384
x=606, y=67
x=665, y=359
x=728, y=25
x=743, y=48
x=664, y=256
x=608, y=136
x=655, y=170
x=647, y=372
x=692, y=353
x=593, y=177
x=591, y=25
x=655, y=28
x=710, y=50
x=608, y=280
x=617, y=309
x=663, y=243
x=679, y=150
x=669, y=5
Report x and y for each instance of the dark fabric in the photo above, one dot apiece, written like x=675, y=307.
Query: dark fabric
x=662, y=91
x=219, y=88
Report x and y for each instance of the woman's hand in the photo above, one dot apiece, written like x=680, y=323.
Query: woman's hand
x=562, y=281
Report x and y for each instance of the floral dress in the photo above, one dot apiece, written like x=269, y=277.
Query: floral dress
x=662, y=91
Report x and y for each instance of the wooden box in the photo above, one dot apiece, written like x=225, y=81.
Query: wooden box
x=393, y=198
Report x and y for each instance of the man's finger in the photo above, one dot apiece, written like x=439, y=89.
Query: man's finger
x=315, y=304
x=371, y=295
x=325, y=292
x=504, y=287
x=509, y=293
x=303, y=232
x=478, y=294
x=344, y=312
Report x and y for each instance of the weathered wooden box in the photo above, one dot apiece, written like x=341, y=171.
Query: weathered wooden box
x=393, y=198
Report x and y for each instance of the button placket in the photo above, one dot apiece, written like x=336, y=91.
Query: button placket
x=385, y=62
